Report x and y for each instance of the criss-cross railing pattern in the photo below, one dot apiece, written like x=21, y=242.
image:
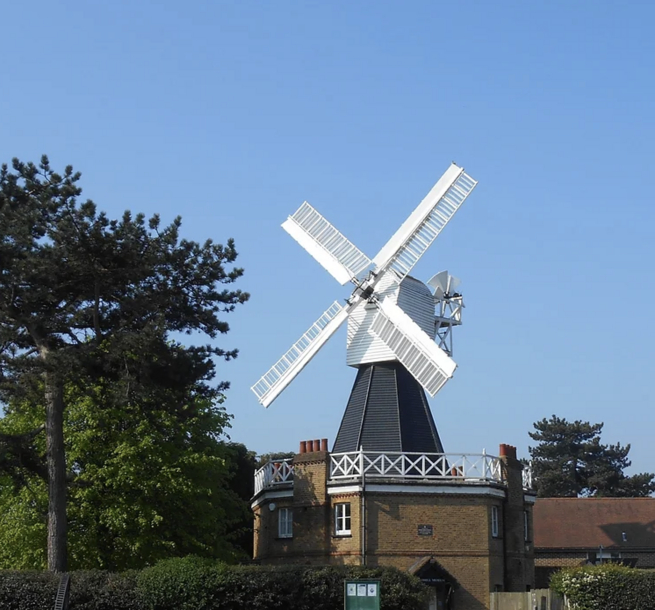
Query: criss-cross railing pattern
x=274, y=473
x=431, y=466
x=395, y=465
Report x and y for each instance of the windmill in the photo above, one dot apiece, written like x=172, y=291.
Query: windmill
x=391, y=325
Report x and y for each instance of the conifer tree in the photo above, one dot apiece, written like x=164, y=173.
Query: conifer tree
x=87, y=302
x=570, y=461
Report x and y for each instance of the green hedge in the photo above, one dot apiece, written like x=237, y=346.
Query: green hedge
x=606, y=587
x=198, y=584
x=96, y=590
x=89, y=591
x=27, y=590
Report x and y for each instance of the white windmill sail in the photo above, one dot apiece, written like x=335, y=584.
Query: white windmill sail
x=425, y=223
x=280, y=375
x=340, y=257
x=395, y=332
x=415, y=350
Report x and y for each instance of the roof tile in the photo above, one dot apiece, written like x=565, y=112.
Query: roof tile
x=587, y=523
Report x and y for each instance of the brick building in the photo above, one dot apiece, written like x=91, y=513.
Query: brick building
x=463, y=523
x=387, y=494
x=578, y=531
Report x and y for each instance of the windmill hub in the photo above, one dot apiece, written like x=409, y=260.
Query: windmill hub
x=392, y=323
x=364, y=291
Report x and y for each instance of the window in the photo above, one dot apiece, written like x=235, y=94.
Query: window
x=603, y=556
x=285, y=523
x=526, y=526
x=494, y=521
x=342, y=519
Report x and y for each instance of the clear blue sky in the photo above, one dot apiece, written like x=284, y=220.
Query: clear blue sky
x=233, y=113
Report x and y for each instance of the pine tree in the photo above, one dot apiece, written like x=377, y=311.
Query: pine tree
x=87, y=302
x=570, y=461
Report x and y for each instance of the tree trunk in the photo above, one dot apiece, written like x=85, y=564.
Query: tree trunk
x=56, y=463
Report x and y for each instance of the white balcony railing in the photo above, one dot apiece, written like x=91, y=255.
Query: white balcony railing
x=274, y=473
x=454, y=467
x=430, y=466
x=527, y=476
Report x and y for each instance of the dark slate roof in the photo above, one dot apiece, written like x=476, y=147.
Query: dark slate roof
x=587, y=523
x=430, y=571
x=387, y=411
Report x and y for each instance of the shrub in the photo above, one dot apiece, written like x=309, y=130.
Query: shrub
x=98, y=590
x=27, y=590
x=194, y=584
x=186, y=583
x=606, y=587
x=199, y=584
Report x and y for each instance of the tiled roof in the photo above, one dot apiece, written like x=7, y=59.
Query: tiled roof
x=587, y=523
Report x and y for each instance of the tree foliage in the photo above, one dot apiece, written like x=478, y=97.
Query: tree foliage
x=242, y=483
x=88, y=308
x=569, y=460
x=145, y=488
x=265, y=458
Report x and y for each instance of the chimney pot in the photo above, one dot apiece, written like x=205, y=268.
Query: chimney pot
x=324, y=444
x=303, y=447
x=310, y=446
x=317, y=445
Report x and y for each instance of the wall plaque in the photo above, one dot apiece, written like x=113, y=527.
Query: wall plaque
x=424, y=530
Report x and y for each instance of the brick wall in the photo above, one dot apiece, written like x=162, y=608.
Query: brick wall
x=645, y=559
x=346, y=549
x=310, y=478
x=311, y=509
x=458, y=523
x=461, y=540
x=519, y=552
x=267, y=544
x=567, y=560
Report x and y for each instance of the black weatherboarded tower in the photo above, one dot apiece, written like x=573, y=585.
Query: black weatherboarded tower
x=387, y=411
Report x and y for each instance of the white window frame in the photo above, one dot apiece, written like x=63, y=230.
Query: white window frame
x=494, y=521
x=342, y=519
x=285, y=523
x=605, y=556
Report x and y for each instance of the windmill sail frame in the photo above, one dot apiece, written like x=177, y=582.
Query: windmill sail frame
x=430, y=365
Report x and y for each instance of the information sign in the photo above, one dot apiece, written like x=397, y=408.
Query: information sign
x=424, y=530
x=361, y=595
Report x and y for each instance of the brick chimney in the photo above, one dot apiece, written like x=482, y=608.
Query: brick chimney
x=310, y=500
x=519, y=561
